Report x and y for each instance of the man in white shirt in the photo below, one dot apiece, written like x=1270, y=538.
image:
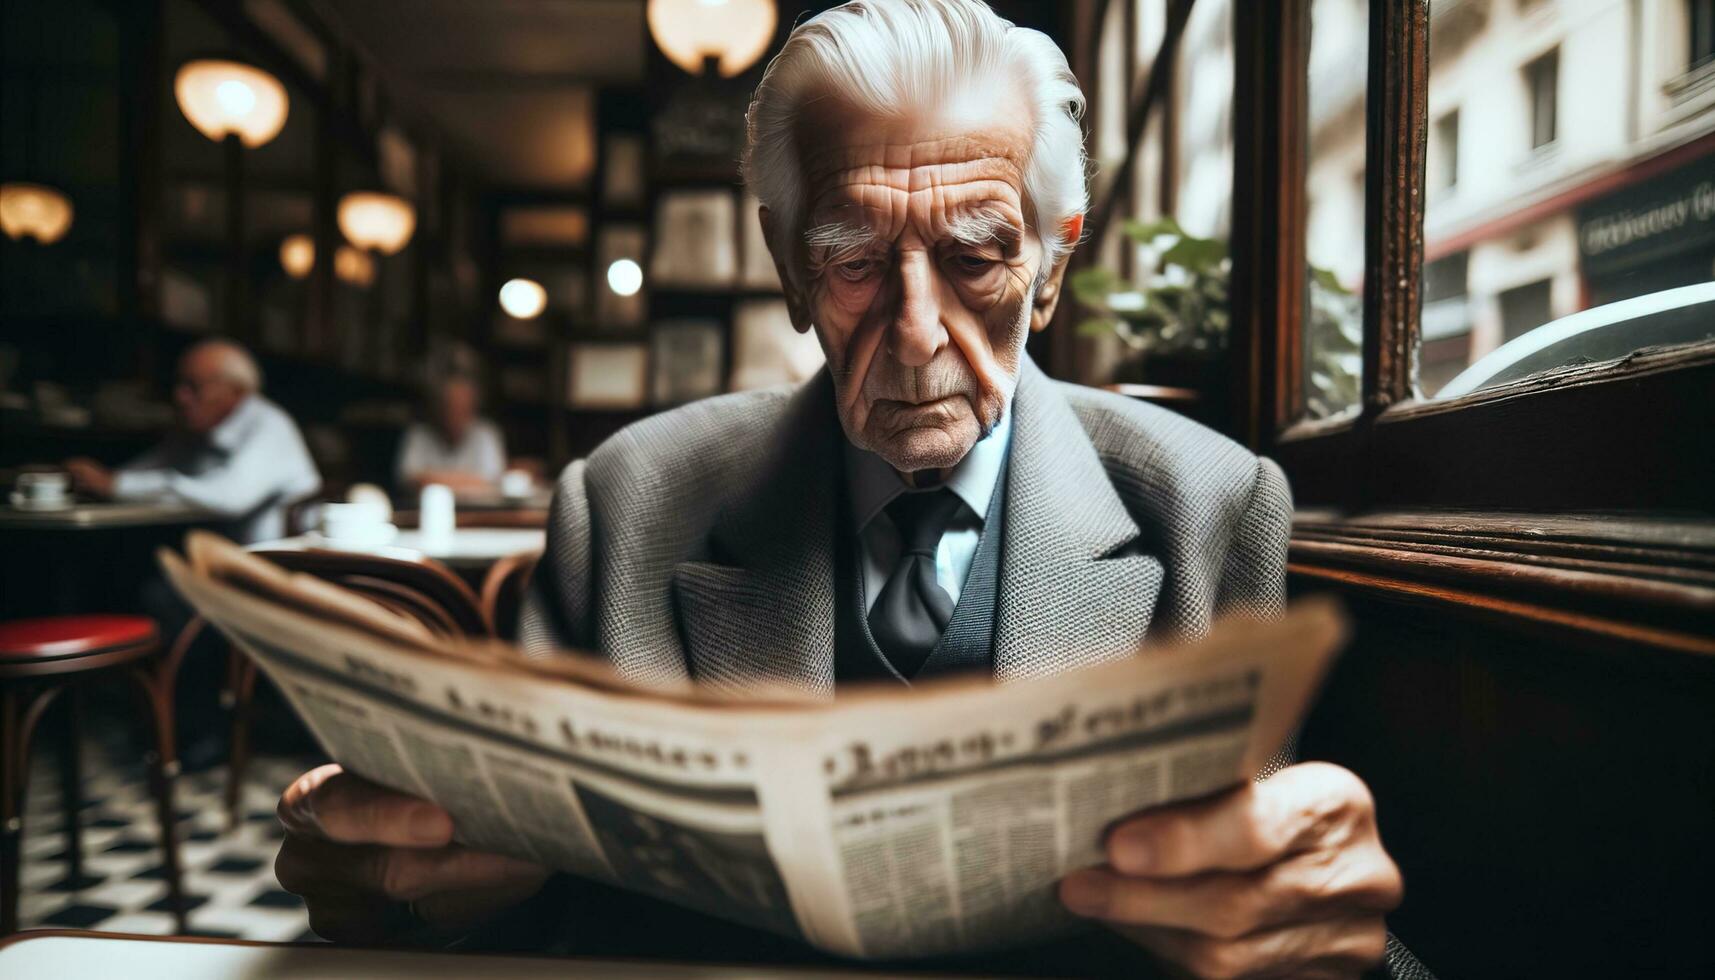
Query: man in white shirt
x=236, y=454
x=455, y=446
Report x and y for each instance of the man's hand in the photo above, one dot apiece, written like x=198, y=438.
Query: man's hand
x=1286, y=877
x=90, y=477
x=374, y=865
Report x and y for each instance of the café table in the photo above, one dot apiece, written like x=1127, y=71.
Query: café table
x=466, y=549
x=66, y=953
x=99, y=516
x=70, y=558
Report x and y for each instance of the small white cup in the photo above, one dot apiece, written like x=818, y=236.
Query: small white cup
x=515, y=484
x=43, y=488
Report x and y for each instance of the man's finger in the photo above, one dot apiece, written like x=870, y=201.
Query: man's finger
x=1250, y=827
x=309, y=866
x=331, y=803
x=1226, y=904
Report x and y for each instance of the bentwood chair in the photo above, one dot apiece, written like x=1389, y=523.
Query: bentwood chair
x=424, y=590
x=41, y=659
x=503, y=591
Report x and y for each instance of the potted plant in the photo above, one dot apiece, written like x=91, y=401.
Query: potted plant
x=1175, y=322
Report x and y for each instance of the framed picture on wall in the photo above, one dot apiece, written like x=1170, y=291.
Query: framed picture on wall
x=755, y=264
x=622, y=178
x=695, y=244
x=607, y=376
x=766, y=350
x=685, y=360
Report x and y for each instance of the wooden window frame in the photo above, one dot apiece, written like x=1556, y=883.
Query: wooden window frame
x=1579, y=500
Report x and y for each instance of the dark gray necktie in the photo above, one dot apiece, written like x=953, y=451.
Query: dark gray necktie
x=912, y=611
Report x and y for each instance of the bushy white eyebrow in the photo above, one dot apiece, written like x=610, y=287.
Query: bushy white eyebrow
x=981, y=226
x=842, y=239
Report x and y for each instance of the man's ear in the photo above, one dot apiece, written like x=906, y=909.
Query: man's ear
x=1048, y=295
x=796, y=305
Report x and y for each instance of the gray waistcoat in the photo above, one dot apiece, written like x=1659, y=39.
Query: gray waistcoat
x=967, y=644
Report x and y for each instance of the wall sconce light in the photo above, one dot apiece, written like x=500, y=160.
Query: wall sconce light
x=298, y=255
x=624, y=277
x=733, y=33
x=382, y=222
x=523, y=299
x=34, y=211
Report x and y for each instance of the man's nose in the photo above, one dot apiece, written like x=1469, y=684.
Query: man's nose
x=917, y=334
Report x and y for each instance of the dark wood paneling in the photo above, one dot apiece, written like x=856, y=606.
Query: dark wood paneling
x=1550, y=800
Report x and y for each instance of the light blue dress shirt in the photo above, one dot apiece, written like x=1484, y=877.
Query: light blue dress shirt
x=247, y=470
x=482, y=452
x=873, y=484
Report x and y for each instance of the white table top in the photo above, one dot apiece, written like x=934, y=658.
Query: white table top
x=97, y=516
x=143, y=958
x=465, y=547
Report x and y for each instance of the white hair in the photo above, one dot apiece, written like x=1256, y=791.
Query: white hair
x=893, y=56
x=234, y=365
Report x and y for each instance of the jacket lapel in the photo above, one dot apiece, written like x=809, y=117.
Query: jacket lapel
x=759, y=612
x=1069, y=597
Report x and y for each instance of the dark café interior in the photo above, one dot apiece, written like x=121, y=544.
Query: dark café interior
x=738, y=488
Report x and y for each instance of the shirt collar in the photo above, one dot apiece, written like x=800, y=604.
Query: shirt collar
x=874, y=484
x=227, y=436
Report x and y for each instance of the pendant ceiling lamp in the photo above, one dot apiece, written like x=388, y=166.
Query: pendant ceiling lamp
x=731, y=33
x=378, y=222
x=222, y=98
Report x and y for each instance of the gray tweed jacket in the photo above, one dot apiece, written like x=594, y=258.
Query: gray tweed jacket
x=699, y=543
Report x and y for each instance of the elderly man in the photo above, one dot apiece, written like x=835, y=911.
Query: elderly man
x=454, y=446
x=931, y=503
x=237, y=454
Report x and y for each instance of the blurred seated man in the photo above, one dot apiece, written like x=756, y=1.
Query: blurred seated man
x=236, y=454
x=453, y=446
x=930, y=503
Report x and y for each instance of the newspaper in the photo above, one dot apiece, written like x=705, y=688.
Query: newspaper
x=884, y=824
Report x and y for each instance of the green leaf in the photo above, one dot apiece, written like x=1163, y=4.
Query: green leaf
x=1145, y=232
x=1195, y=254
x=1094, y=284
x=1096, y=327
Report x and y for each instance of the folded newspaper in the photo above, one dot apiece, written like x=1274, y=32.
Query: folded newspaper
x=886, y=823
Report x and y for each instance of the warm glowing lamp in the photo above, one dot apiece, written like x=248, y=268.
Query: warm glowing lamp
x=297, y=255
x=734, y=33
x=34, y=211
x=223, y=98
x=625, y=277
x=523, y=299
x=382, y=222
x=353, y=266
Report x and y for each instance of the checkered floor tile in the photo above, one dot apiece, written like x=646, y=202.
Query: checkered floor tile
x=228, y=874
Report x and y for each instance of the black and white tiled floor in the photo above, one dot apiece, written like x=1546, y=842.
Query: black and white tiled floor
x=228, y=874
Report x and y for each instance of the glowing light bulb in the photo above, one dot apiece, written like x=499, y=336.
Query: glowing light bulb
x=523, y=299
x=625, y=277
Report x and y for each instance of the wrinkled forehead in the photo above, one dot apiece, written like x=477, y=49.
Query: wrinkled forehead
x=887, y=172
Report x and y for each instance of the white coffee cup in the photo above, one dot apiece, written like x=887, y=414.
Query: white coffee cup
x=44, y=487
x=362, y=524
x=516, y=484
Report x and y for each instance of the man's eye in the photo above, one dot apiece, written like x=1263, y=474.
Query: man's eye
x=856, y=269
x=973, y=264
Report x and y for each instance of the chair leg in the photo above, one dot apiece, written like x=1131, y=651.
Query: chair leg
x=71, y=786
x=19, y=712
x=238, y=746
x=13, y=759
x=157, y=695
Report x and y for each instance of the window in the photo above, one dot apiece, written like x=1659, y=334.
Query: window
x=1444, y=152
x=1700, y=17
x=1542, y=81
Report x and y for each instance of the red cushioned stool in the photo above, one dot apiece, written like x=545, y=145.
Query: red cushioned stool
x=39, y=659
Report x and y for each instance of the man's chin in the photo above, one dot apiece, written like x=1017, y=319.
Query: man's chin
x=926, y=448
